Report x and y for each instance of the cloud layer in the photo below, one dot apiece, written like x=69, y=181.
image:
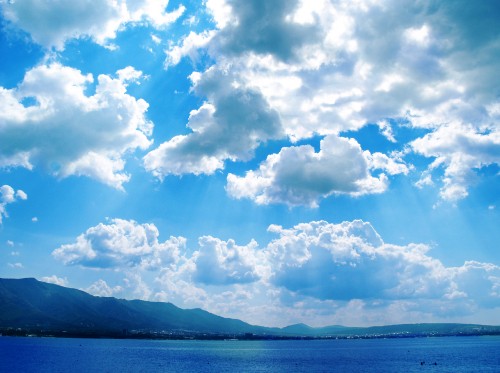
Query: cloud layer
x=316, y=269
x=332, y=66
x=301, y=69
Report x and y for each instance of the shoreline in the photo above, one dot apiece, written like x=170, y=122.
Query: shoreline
x=163, y=335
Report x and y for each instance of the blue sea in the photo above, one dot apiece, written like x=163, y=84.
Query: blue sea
x=448, y=354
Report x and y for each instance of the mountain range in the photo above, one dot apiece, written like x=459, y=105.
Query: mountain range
x=39, y=307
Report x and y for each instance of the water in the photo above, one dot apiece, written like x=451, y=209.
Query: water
x=451, y=354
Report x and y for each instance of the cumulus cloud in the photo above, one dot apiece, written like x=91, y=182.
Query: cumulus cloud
x=50, y=121
x=222, y=263
x=55, y=280
x=259, y=27
x=9, y=195
x=326, y=270
x=312, y=271
x=350, y=261
x=52, y=23
x=301, y=176
x=460, y=150
x=121, y=243
x=177, y=286
x=100, y=288
x=230, y=125
x=420, y=64
x=263, y=27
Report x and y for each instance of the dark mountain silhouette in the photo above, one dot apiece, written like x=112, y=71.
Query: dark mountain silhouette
x=31, y=305
x=28, y=303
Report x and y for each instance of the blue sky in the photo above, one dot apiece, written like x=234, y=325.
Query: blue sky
x=325, y=162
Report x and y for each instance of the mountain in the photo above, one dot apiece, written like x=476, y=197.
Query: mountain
x=31, y=304
x=400, y=330
x=38, y=307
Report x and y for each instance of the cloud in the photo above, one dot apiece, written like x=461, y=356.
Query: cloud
x=460, y=150
x=317, y=272
x=52, y=23
x=138, y=287
x=350, y=261
x=55, y=280
x=7, y=196
x=49, y=121
x=178, y=287
x=223, y=263
x=121, y=243
x=300, y=176
x=258, y=27
x=189, y=46
x=365, y=62
x=262, y=27
x=101, y=289
x=230, y=125
x=15, y=265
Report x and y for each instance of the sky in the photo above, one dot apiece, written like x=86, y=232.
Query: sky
x=322, y=162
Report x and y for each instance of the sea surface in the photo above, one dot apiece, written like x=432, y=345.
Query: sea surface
x=434, y=354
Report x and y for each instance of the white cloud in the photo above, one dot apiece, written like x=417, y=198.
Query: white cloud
x=7, y=196
x=69, y=133
x=138, y=287
x=300, y=176
x=347, y=262
x=21, y=195
x=121, y=243
x=52, y=23
x=10, y=243
x=101, y=289
x=55, y=280
x=177, y=286
x=34, y=219
x=460, y=150
x=379, y=161
x=386, y=130
x=16, y=265
x=229, y=126
x=155, y=39
x=222, y=263
x=315, y=272
x=264, y=28
x=363, y=62
x=188, y=47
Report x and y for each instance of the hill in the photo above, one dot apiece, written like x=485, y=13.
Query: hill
x=31, y=306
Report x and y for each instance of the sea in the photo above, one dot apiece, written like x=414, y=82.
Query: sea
x=430, y=354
